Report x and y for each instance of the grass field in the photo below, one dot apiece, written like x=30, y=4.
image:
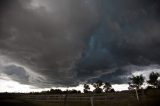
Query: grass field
x=148, y=98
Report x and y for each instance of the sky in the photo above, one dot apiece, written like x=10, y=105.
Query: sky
x=66, y=43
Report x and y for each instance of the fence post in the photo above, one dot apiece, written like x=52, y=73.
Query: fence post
x=65, y=99
x=137, y=94
x=91, y=98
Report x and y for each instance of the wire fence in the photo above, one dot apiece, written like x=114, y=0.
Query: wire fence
x=62, y=97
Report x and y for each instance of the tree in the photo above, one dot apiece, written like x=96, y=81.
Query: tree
x=55, y=91
x=107, y=87
x=73, y=91
x=158, y=84
x=136, y=82
x=153, y=79
x=97, y=86
x=86, y=88
x=112, y=90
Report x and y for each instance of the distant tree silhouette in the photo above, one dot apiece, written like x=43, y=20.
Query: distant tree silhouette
x=55, y=91
x=86, y=88
x=153, y=79
x=107, y=87
x=97, y=86
x=112, y=90
x=136, y=81
x=73, y=91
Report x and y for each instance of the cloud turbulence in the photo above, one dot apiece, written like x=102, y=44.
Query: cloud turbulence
x=66, y=42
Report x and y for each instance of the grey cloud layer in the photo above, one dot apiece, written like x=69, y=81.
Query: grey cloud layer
x=129, y=34
x=48, y=36
x=66, y=40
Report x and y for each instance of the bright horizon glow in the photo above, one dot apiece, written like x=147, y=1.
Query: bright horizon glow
x=13, y=86
x=8, y=85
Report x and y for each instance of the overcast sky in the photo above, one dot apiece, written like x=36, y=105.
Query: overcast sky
x=64, y=43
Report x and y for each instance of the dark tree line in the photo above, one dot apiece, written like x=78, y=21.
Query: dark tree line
x=135, y=82
x=59, y=91
x=99, y=86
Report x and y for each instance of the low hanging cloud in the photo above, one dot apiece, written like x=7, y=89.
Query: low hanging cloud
x=12, y=71
x=68, y=42
x=17, y=73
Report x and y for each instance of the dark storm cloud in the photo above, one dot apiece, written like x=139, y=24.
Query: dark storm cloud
x=129, y=35
x=66, y=40
x=118, y=76
x=48, y=36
